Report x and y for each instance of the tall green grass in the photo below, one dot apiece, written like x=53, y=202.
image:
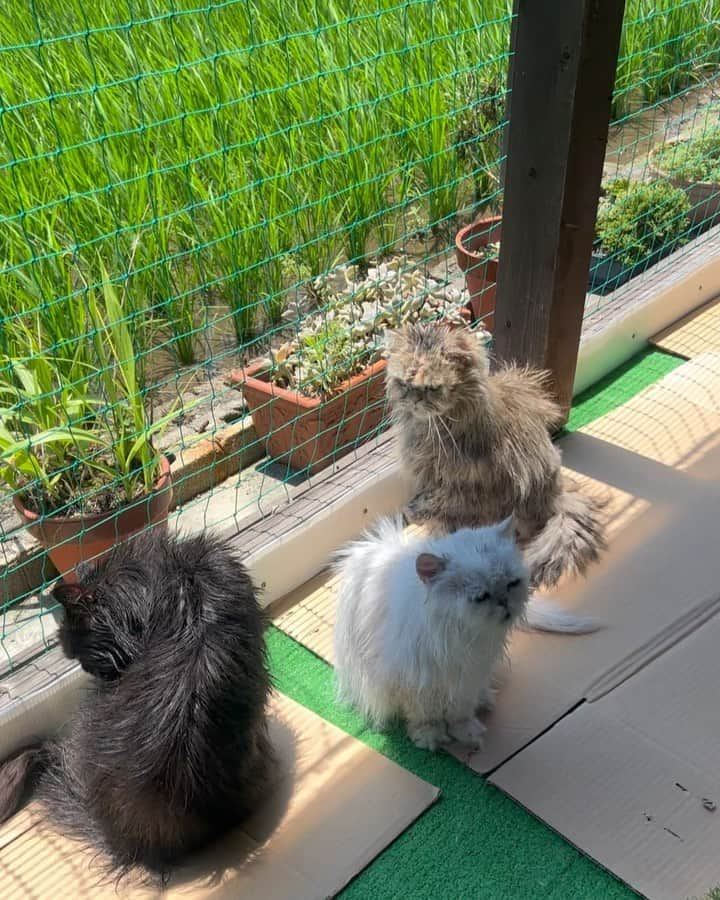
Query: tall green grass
x=190, y=148
x=667, y=46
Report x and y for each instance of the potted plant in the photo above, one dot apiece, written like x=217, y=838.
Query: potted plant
x=477, y=249
x=314, y=402
x=323, y=393
x=76, y=443
x=693, y=164
x=638, y=224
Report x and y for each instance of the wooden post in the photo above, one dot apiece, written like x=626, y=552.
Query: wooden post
x=561, y=81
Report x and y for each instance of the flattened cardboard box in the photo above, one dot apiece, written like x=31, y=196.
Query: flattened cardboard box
x=633, y=779
x=660, y=575
x=657, y=461
x=338, y=805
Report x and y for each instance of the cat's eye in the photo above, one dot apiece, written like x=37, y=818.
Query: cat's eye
x=513, y=584
x=481, y=598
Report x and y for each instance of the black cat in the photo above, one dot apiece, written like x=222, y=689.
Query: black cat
x=170, y=747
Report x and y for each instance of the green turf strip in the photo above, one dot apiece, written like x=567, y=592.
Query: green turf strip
x=619, y=386
x=475, y=843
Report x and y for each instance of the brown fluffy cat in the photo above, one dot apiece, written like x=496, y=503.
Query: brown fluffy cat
x=478, y=449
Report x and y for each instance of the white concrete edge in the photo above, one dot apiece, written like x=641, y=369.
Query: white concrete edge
x=43, y=713
x=627, y=335
x=291, y=560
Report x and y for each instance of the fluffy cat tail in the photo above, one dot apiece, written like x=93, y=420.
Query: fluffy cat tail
x=18, y=776
x=542, y=615
x=572, y=539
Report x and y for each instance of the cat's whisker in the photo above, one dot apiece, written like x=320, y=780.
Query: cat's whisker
x=431, y=435
x=449, y=434
x=441, y=443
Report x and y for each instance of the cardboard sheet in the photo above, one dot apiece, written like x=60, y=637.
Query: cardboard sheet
x=695, y=333
x=337, y=804
x=634, y=778
x=659, y=579
x=613, y=738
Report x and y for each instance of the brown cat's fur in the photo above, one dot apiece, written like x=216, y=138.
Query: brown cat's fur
x=478, y=449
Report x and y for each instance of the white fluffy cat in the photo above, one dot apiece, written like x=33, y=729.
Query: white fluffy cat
x=421, y=623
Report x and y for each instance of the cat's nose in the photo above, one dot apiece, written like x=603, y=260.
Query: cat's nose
x=503, y=601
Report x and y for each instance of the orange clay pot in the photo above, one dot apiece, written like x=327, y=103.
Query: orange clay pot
x=307, y=434
x=480, y=272
x=70, y=540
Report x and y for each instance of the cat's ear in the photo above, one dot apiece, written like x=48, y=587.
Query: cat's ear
x=72, y=596
x=508, y=527
x=428, y=567
x=388, y=343
x=395, y=339
x=460, y=348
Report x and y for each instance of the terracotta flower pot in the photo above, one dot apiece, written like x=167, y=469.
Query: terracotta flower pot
x=480, y=272
x=70, y=540
x=307, y=433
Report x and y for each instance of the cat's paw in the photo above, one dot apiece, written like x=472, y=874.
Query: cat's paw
x=468, y=732
x=428, y=735
x=487, y=699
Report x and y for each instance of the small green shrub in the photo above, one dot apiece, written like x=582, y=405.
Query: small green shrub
x=636, y=219
x=693, y=160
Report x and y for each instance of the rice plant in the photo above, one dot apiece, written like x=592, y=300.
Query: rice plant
x=189, y=148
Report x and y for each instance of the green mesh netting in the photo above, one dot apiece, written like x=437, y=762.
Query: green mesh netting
x=661, y=186
x=185, y=189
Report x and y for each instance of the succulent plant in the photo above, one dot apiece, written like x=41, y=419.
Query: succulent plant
x=347, y=335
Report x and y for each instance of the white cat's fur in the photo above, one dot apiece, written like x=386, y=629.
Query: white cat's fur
x=421, y=623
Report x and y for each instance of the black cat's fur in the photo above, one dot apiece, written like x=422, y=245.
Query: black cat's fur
x=170, y=747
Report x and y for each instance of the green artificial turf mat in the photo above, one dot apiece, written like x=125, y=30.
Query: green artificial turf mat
x=620, y=385
x=475, y=843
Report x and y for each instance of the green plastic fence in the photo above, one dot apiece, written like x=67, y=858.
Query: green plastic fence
x=186, y=188
x=661, y=188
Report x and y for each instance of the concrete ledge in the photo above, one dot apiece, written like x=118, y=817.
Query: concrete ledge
x=212, y=459
x=623, y=322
